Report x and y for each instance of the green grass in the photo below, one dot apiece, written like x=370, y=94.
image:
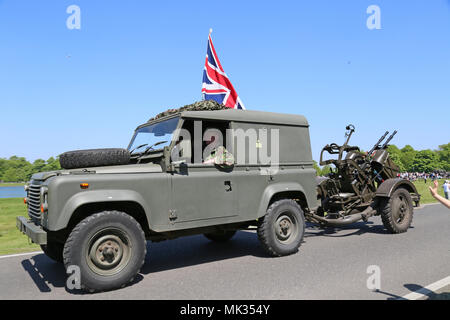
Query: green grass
x=422, y=188
x=11, y=184
x=11, y=240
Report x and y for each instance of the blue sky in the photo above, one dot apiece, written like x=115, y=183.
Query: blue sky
x=64, y=89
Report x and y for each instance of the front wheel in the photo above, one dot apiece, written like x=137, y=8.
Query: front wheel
x=397, y=211
x=282, y=228
x=109, y=248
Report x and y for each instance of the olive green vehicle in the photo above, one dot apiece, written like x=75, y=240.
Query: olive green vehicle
x=99, y=212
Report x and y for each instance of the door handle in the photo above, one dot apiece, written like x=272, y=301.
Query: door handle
x=228, y=186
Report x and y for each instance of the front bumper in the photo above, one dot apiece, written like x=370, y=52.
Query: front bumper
x=34, y=232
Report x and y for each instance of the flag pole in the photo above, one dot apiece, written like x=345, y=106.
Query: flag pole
x=210, y=31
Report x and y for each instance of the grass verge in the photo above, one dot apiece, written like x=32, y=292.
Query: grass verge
x=426, y=196
x=11, y=239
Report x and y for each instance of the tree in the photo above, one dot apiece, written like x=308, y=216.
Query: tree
x=52, y=164
x=316, y=166
x=325, y=170
x=18, y=169
x=407, y=157
x=396, y=156
x=444, y=156
x=10, y=175
x=3, y=167
x=425, y=161
x=20, y=166
x=38, y=165
x=321, y=171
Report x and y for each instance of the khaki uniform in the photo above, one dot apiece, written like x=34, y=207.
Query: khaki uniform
x=221, y=157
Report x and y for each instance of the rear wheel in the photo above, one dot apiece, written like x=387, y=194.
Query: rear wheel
x=282, y=228
x=220, y=236
x=109, y=248
x=397, y=211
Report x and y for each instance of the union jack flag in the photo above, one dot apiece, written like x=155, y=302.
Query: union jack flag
x=216, y=85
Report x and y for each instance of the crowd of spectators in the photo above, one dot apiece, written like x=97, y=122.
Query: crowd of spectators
x=414, y=176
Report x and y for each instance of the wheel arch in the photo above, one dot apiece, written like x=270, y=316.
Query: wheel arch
x=85, y=204
x=131, y=208
x=388, y=187
x=280, y=191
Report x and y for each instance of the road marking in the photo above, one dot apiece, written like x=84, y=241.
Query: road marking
x=20, y=254
x=427, y=290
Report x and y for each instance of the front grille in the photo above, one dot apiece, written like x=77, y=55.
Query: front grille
x=34, y=202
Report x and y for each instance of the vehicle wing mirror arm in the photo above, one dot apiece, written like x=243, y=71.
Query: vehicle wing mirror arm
x=168, y=166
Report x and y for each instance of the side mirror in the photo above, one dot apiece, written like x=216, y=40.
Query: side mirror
x=182, y=167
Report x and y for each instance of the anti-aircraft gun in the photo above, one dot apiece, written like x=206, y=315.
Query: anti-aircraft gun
x=363, y=184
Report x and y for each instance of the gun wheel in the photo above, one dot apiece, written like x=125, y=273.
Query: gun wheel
x=397, y=211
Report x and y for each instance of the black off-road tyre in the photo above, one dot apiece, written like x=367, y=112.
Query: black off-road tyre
x=220, y=236
x=53, y=250
x=397, y=211
x=113, y=236
x=282, y=228
x=94, y=158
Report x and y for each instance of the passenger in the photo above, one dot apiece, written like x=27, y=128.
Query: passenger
x=219, y=156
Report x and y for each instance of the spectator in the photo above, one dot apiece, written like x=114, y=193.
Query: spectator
x=446, y=187
x=434, y=193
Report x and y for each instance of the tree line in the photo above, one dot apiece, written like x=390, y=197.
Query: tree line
x=18, y=169
x=410, y=160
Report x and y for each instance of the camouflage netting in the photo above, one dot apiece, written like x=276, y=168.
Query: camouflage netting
x=206, y=105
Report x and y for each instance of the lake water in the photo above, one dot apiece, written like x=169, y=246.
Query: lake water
x=12, y=192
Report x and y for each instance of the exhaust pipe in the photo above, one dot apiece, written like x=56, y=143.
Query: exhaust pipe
x=364, y=215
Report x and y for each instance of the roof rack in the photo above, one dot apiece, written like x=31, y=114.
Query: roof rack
x=206, y=105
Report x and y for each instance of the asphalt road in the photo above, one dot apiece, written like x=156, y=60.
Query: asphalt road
x=331, y=264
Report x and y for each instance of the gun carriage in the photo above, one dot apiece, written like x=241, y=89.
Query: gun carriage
x=363, y=184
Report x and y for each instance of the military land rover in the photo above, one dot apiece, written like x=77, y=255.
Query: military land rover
x=99, y=211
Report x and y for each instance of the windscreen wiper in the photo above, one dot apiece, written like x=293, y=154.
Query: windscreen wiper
x=138, y=147
x=149, y=148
